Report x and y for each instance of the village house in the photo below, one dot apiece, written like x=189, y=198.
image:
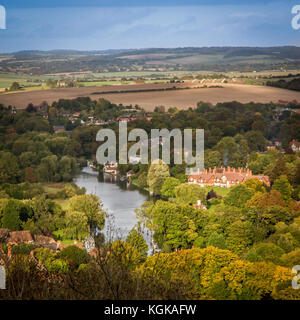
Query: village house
x=76, y=115
x=273, y=145
x=295, y=145
x=100, y=122
x=111, y=168
x=225, y=177
x=126, y=118
x=61, y=84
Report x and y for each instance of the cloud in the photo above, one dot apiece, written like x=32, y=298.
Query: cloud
x=104, y=27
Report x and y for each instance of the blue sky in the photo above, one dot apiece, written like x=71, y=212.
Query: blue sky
x=114, y=24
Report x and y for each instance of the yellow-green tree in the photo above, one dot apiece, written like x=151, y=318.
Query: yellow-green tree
x=157, y=174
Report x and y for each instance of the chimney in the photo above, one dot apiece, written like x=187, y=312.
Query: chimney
x=214, y=171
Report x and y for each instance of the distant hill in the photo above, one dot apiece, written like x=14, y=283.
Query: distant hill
x=217, y=59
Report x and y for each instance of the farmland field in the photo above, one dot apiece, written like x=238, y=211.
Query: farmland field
x=149, y=100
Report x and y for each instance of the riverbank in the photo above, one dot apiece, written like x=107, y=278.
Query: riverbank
x=119, y=199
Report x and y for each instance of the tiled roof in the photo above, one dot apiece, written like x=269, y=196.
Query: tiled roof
x=216, y=175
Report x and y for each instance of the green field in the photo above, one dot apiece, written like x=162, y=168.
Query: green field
x=216, y=59
x=6, y=80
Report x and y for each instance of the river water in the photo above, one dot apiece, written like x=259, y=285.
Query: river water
x=119, y=199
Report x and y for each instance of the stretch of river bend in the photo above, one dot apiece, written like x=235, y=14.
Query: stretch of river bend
x=120, y=199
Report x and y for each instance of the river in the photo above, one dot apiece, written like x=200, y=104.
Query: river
x=119, y=199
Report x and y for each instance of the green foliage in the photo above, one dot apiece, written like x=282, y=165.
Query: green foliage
x=277, y=169
x=256, y=185
x=238, y=196
x=76, y=255
x=43, y=254
x=142, y=180
x=136, y=240
x=283, y=186
x=50, y=261
x=76, y=225
x=190, y=193
x=175, y=224
x=57, y=266
x=168, y=187
x=216, y=240
x=267, y=252
x=157, y=174
x=91, y=207
x=14, y=86
x=291, y=259
x=239, y=236
x=9, y=168
x=22, y=249
x=11, y=215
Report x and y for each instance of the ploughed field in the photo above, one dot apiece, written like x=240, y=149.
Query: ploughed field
x=147, y=99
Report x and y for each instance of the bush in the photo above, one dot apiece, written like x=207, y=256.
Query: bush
x=4, y=248
x=76, y=255
x=57, y=266
x=11, y=215
x=43, y=254
x=22, y=248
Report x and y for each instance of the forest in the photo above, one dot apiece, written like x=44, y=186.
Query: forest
x=242, y=245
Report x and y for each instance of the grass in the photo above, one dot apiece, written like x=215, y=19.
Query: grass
x=52, y=188
x=142, y=74
x=65, y=204
x=218, y=190
x=68, y=242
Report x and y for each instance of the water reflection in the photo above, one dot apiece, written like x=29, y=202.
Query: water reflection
x=120, y=199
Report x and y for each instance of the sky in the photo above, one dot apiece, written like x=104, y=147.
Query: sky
x=128, y=24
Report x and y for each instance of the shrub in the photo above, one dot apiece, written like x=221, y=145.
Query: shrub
x=22, y=248
x=57, y=266
x=76, y=255
x=43, y=254
x=11, y=216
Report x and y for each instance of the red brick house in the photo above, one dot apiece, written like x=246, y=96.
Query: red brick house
x=224, y=177
x=295, y=145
